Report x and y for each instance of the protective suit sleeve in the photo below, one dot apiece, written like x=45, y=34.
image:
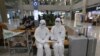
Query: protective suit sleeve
x=62, y=36
x=52, y=33
x=37, y=37
x=47, y=35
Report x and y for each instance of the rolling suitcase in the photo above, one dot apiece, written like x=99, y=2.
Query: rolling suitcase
x=77, y=46
x=91, y=46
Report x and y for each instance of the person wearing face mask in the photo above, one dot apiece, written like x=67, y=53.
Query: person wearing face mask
x=42, y=37
x=58, y=36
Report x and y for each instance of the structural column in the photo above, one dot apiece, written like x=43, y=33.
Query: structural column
x=84, y=6
x=84, y=9
x=65, y=2
x=71, y=9
x=20, y=6
x=3, y=11
x=36, y=18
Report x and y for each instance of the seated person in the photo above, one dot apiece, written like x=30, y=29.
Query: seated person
x=58, y=35
x=42, y=37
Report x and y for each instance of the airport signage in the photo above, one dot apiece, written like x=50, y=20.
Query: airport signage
x=35, y=4
x=97, y=8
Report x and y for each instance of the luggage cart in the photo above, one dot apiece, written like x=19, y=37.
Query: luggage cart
x=19, y=50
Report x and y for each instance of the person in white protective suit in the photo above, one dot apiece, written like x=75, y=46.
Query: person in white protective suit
x=42, y=36
x=58, y=36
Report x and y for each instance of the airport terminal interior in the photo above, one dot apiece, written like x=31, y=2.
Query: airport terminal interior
x=24, y=22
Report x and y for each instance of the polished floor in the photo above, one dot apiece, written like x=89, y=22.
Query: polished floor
x=93, y=31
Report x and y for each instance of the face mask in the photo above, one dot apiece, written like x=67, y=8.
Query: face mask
x=42, y=25
x=57, y=23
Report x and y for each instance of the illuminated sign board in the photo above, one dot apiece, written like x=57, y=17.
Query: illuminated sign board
x=35, y=4
x=97, y=8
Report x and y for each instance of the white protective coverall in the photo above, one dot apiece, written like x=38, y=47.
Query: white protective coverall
x=42, y=36
x=58, y=35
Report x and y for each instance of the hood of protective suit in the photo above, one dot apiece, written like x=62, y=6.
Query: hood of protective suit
x=42, y=24
x=57, y=22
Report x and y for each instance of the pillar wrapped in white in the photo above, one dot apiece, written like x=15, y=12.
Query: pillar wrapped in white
x=78, y=18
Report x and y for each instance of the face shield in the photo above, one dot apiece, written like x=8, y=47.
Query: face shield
x=42, y=23
x=57, y=22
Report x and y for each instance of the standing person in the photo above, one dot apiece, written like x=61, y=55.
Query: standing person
x=42, y=37
x=58, y=35
x=94, y=22
x=27, y=24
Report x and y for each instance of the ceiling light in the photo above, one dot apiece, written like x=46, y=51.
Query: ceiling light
x=56, y=0
x=51, y=0
x=60, y=0
x=43, y=0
